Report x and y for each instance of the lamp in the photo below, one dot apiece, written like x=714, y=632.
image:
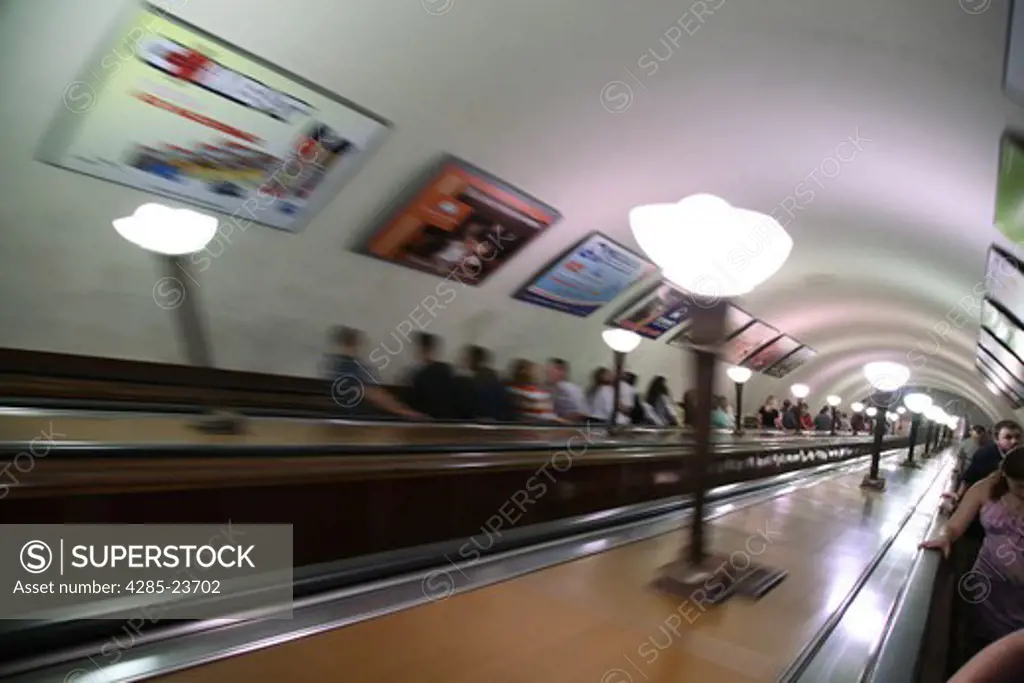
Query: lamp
x=834, y=402
x=739, y=376
x=163, y=230
x=620, y=342
x=856, y=406
x=885, y=378
x=900, y=410
x=800, y=390
x=871, y=411
x=917, y=404
x=171, y=234
x=694, y=242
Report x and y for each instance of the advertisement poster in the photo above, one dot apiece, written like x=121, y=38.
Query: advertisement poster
x=588, y=276
x=654, y=312
x=1000, y=378
x=750, y=339
x=1003, y=356
x=772, y=354
x=462, y=222
x=1009, y=218
x=735, y=320
x=1002, y=328
x=165, y=108
x=791, y=362
x=1005, y=283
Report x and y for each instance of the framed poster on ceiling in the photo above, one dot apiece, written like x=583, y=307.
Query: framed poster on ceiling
x=1005, y=358
x=1006, y=381
x=591, y=274
x=772, y=354
x=791, y=362
x=735, y=320
x=1005, y=282
x=167, y=108
x=1002, y=327
x=1009, y=214
x=991, y=377
x=748, y=340
x=655, y=311
x=461, y=221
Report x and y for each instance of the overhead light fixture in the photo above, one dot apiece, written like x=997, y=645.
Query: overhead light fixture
x=856, y=406
x=886, y=376
x=620, y=340
x=871, y=411
x=900, y=410
x=694, y=242
x=738, y=374
x=164, y=230
x=833, y=400
x=800, y=390
x=917, y=403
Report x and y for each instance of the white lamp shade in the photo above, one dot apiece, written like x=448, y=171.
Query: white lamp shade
x=900, y=410
x=886, y=376
x=695, y=242
x=935, y=413
x=620, y=340
x=738, y=374
x=800, y=390
x=833, y=400
x=871, y=411
x=891, y=416
x=917, y=403
x=953, y=421
x=164, y=230
x=856, y=406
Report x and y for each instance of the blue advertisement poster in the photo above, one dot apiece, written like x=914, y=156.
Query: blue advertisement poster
x=655, y=312
x=588, y=276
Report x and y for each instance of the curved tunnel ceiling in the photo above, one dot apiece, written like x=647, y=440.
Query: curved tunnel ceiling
x=875, y=124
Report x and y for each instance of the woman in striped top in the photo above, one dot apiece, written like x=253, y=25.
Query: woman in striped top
x=533, y=402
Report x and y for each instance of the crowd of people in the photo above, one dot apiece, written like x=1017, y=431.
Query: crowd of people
x=473, y=390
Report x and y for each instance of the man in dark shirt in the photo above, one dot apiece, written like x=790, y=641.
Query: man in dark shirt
x=481, y=395
x=356, y=392
x=433, y=388
x=987, y=460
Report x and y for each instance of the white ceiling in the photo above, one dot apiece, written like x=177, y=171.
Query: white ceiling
x=759, y=96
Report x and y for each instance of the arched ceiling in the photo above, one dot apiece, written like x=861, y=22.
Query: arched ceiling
x=889, y=113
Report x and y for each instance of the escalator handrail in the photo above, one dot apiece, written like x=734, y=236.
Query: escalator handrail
x=907, y=623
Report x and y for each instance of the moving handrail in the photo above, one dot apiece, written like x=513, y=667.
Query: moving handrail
x=158, y=432
x=897, y=659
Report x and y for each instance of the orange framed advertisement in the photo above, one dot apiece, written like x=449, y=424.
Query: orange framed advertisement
x=461, y=223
